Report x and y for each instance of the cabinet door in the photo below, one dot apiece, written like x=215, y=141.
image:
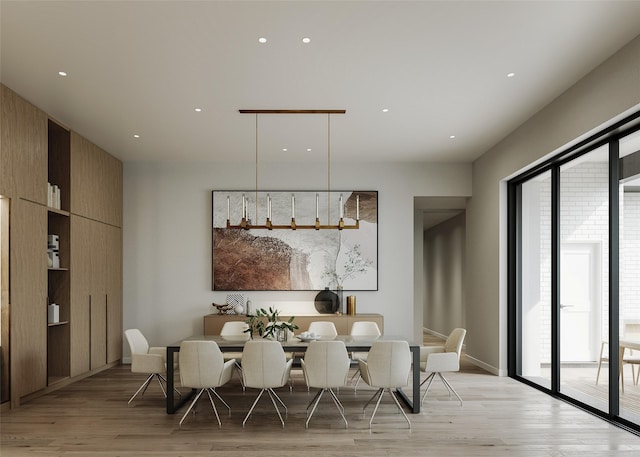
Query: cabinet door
x=23, y=148
x=114, y=293
x=80, y=269
x=98, y=315
x=28, y=234
x=96, y=182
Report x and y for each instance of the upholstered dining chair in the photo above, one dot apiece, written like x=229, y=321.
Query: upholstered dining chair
x=203, y=367
x=440, y=359
x=235, y=329
x=265, y=367
x=325, y=366
x=387, y=367
x=362, y=329
x=147, y=360
x=325, y=329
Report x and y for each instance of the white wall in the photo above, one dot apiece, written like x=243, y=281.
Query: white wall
x=167, y=236
x=611, y=89
x=444, y=276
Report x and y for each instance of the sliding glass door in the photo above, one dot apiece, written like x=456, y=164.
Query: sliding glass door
x=574, y=275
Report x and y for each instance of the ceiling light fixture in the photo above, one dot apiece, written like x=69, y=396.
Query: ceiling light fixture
x=452, y=136
x=245, y=223
x=306, y=40
x=62, y=73
x=135, y=135
x=198, y=110
x=510, y=75
x=262, y=40
x=385, y=110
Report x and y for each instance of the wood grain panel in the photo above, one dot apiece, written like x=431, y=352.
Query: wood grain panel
x=98, y=318
x=96, y=182
x=114, y=294
x=24, y=148
x=28, y=298
x=80, y=267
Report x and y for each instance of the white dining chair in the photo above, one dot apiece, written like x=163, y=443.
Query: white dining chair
x=387, y=367
x=265, y=367
x=147, y=360
x=235, y=329
x=203, y=367
x=362, y=329
x=440, y=359
x=323, y=329
x=325, y=366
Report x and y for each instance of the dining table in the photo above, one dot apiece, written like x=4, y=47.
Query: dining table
x=295, y=345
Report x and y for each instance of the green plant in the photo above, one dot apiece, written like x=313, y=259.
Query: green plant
x=267, y=323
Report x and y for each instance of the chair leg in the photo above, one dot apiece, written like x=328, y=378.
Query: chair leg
x=252, y=406
x=239, y=370
x=339, y=406
x=275, y=405
x=450, y=388
x=378, y=393
x=142, y=388
x=165, y=383
x=315, y=402
x=430, y=379
x=193, y=403
x=215, y=410
x=286, y=411
x=220, y=398
x=400, y=407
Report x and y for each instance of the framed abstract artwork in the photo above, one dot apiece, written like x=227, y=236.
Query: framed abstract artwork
x=301, y=259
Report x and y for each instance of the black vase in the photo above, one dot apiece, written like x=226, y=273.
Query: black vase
x=327, y=302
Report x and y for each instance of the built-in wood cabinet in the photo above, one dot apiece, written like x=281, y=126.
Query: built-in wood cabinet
x=96, y=294
x=28, y=313
x=213, y=322
x=85, y=279
x=23, y=150
x=96, y=185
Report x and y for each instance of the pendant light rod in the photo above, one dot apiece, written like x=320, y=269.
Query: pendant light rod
x=292, y=111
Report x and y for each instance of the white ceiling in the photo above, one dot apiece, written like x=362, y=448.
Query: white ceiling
x=439, y=67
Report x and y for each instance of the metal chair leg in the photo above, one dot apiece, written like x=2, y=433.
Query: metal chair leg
x=252, y=406
x=430, y=379
x=193, y=403
x=450, y=388
x=142, y=388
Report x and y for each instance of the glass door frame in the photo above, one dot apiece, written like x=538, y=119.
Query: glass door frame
x=609, y=136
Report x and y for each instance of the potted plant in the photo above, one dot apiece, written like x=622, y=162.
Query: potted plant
x=268, y=325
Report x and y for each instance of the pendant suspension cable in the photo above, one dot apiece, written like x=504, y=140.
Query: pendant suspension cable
x=328, y=168
x=256, y=219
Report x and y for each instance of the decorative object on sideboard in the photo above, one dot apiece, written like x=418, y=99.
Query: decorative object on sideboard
x=237, y=302
x=223, y=309
x=327, y=302
x=351, y=305
x=245, y=222
x=267, y=324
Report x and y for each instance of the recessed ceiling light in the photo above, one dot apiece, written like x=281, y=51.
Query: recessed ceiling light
x=62, y=73
x=385, y=110
x=285, y=149
x=510, y=75
x=452, y=136
x=306, y=40
x=198, y=110
x=135, y=135
x=262, y=40
x=308, y=149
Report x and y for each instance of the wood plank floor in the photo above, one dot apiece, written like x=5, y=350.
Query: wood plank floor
x=500, y=417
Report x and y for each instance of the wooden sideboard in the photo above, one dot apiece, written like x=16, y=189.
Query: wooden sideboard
x=213, y=322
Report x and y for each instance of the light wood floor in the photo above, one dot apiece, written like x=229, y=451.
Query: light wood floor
x=500, y=417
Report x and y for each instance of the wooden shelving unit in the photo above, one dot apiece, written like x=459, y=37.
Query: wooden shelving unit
x=58, y=277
